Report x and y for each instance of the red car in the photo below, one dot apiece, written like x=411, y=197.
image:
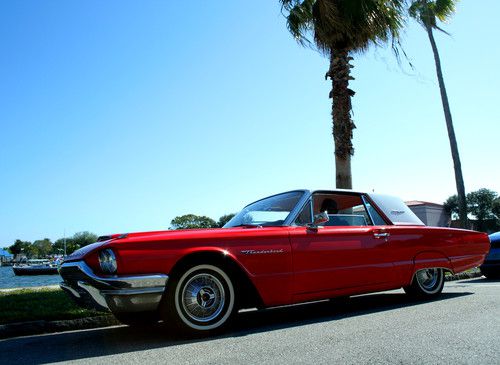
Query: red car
x=288, y=248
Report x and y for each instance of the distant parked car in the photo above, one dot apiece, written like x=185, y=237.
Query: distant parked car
x=293, y=247
x=491, y=266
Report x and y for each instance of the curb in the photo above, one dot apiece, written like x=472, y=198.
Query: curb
x=42, y=326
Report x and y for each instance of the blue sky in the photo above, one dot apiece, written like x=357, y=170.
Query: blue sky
x=117, y=116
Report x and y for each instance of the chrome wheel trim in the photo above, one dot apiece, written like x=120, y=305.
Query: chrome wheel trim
x=219, y=308
x=203, y=297
x=429, y=280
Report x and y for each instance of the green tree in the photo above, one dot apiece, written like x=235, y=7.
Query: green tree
x=43, y=247
x=480, y=204
x=58, y=247
x=79, y=240
x=84, y=238
x=340, y=29
x=427, y=13
x=18, y=247
x=190, y=221
x=495, y=208
x=224, y=219
x=451, y=207
x=32, y=252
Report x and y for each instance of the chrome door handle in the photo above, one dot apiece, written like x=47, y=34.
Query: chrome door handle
x=382, y=235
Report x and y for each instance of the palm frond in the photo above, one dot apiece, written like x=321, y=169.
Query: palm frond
x=345, y=24
x=426, y=12
x=299, y=19
x=444, y=9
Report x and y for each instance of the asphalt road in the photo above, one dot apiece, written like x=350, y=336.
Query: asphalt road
x=461, y=327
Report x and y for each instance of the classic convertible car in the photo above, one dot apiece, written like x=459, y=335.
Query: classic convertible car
x=288, y=248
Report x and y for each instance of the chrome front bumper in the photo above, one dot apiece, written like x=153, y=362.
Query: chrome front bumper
x=115, y=293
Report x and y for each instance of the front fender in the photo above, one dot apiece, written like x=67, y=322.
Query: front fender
x=210, y=250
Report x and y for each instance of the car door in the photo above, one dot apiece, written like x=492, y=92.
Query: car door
x=336, y=258
x=348, y=252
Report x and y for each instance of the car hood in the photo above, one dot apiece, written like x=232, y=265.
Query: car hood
x=190, y=234
x=209, y=234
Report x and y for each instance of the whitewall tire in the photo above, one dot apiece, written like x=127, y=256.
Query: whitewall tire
x=202, y=300
x=426, y=283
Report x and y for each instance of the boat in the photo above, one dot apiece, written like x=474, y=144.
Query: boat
x=36, y=267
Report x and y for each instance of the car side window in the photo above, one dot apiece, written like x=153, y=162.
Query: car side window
x=304, y=216
x=343, y=209
x=375, y=217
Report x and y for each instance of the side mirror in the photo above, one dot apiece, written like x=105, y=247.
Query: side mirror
x=319, y=218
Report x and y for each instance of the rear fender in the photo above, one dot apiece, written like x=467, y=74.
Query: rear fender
x=428, y=260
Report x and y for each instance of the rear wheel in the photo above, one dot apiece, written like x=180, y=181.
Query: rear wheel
x=426, y=283
x=200, y=301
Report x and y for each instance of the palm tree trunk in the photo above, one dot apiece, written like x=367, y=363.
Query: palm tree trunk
x=462, y=204
x=339, y=73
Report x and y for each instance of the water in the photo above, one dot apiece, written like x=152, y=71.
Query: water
x=9, y=280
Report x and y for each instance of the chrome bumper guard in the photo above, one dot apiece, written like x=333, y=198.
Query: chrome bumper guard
x=115, y=293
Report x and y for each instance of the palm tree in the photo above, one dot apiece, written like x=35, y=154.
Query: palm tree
x=340, y=29
x=427, y=12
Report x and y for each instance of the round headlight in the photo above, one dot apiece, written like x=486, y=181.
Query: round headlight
x=107, y=260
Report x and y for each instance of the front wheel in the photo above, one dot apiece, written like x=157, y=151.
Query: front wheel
x=200, y=301
x=426, y=283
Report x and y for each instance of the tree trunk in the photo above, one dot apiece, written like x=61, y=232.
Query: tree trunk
x=339, y=73
x=462, y=204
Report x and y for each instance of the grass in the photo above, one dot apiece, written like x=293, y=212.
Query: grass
x=24, y=305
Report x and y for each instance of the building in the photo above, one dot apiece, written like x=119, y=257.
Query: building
x=432, y=214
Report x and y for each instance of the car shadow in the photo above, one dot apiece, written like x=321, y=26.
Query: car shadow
x=122, y=339
x=325, y=311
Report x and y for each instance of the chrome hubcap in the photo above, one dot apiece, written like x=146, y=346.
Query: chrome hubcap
x=428, y=278
x=203, y=297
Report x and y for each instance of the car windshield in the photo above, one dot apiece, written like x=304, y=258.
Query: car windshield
x=271, y=211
